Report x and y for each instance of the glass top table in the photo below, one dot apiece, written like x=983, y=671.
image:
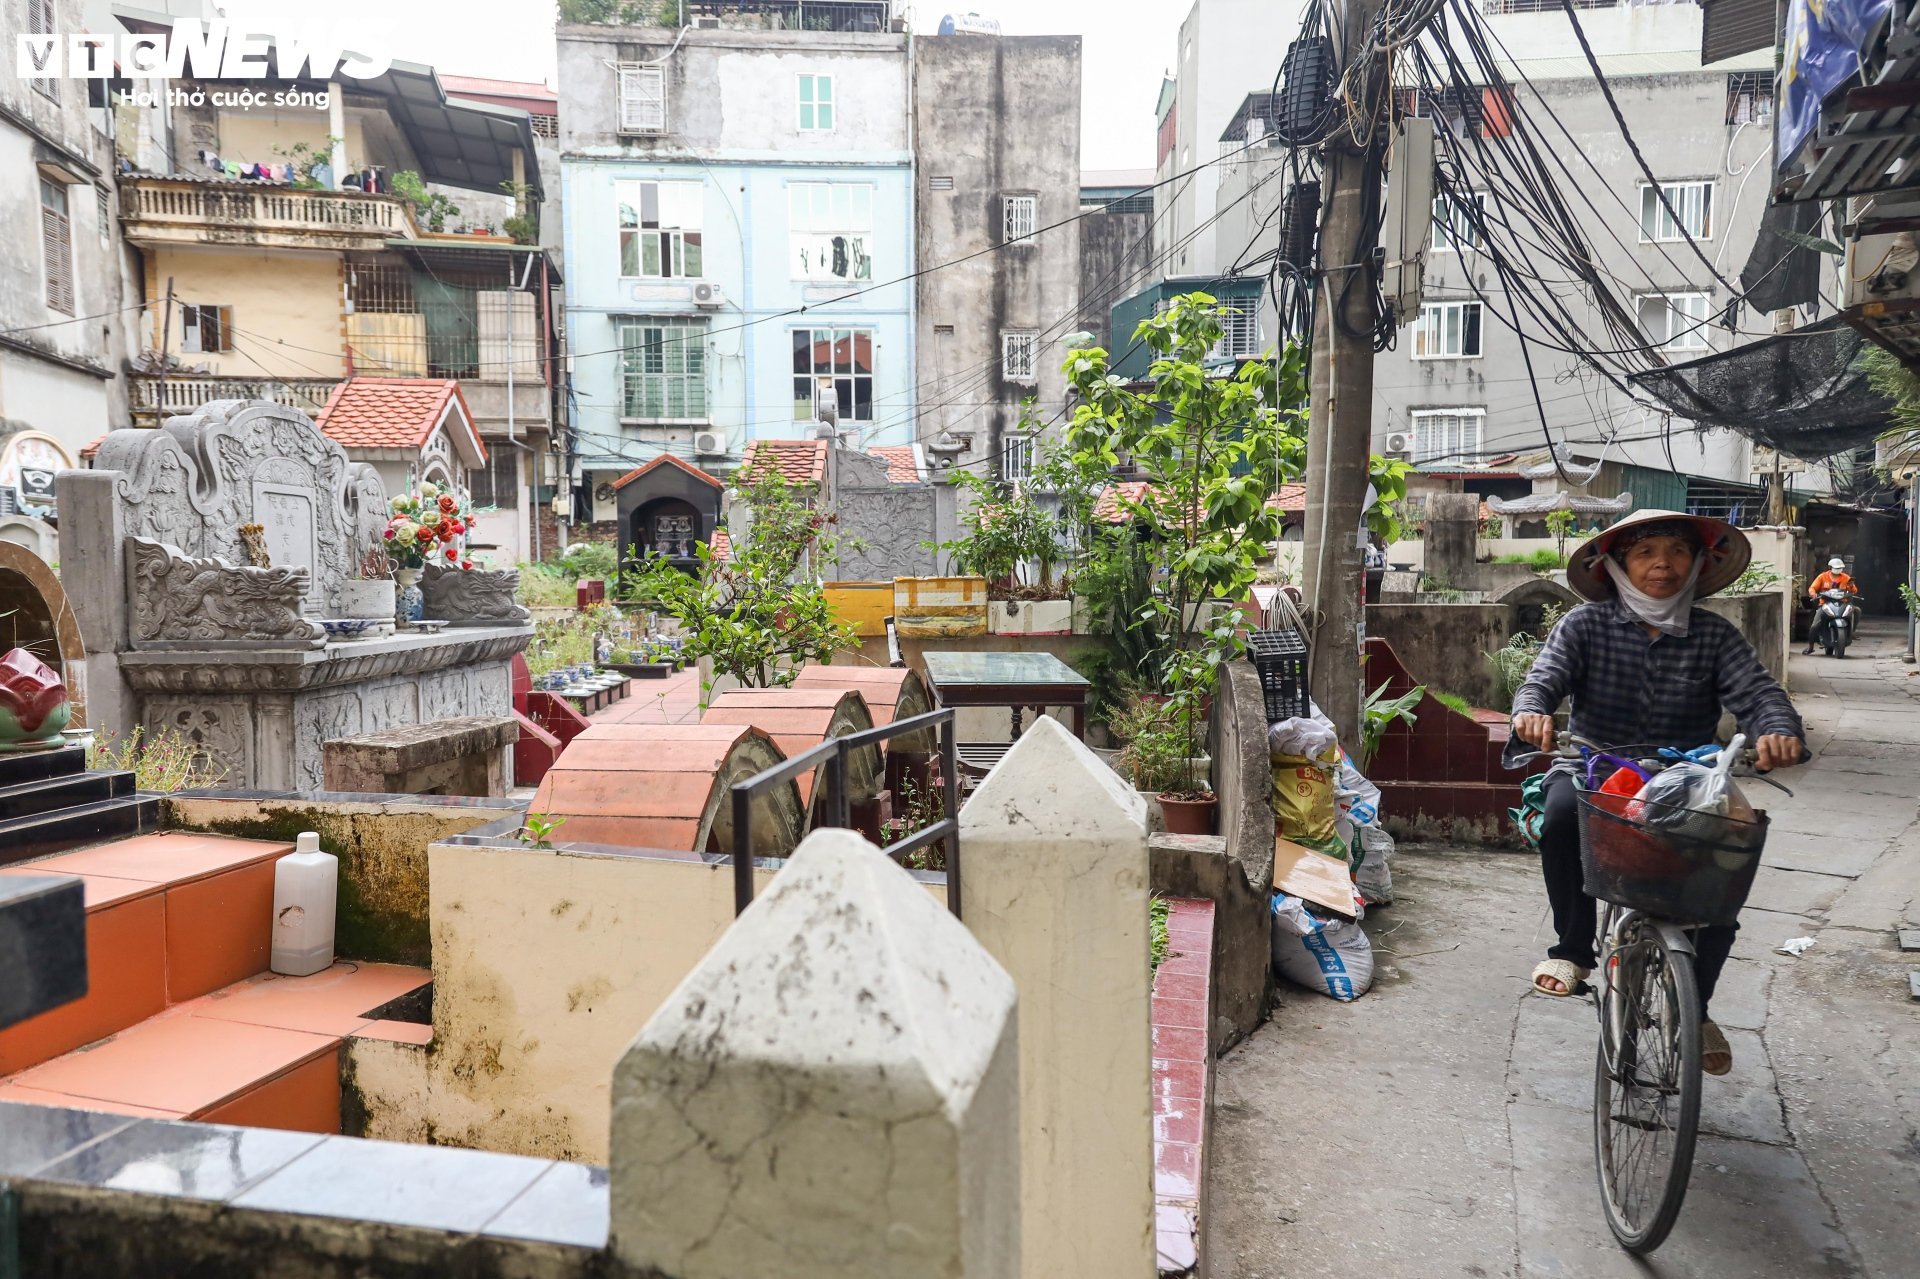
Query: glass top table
x=1015, y=680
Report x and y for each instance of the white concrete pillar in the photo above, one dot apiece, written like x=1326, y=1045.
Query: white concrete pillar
x=1053, y=847
x=337, y=131
x=830, y=1094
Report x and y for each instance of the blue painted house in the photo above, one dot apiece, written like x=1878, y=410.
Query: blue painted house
x=733, y=200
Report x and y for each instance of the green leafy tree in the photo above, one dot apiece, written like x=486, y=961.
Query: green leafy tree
x=1560, y=524
x=1215, y=449
x=758, y=615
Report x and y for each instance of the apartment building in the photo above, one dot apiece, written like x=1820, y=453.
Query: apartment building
x=739, y=213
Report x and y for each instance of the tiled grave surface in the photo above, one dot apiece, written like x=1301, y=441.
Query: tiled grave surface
x=265, y=1051
x=1182, y=1071
x=462, y=1192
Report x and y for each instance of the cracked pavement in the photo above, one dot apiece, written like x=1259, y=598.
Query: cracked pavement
x=1442, y=1124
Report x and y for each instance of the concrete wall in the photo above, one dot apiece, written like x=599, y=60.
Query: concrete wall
x=545, y=966
x=1116, y=259
x=1445, y=646
x=1759, y=619
x=382, y=847
x=998, y=115
x=291, y=298
x=57, y=370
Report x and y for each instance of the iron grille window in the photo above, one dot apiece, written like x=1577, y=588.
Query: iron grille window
x=1446, y=435
x=56, y=245
x=1691, y=216
x=660, y=229
x=1447, y=330
x=546, y=126
x=380, y=288
x=663, y=369
x=1020, y=217
x=497, y=484
x=1749, y=97
x=643, y=100
x=1020, y=356
x=836, y=362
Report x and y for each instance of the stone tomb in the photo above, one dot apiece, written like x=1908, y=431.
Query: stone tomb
x=233, y=656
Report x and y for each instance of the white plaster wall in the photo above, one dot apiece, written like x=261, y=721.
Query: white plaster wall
x=545, y=966
x=42, y=396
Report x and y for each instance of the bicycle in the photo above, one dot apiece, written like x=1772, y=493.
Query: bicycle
x=1658, y=873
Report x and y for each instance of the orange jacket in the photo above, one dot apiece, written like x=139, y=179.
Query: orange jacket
x=1831, y=581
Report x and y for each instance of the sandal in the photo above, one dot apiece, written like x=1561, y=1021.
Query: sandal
x=1714, y=1050
x=1562, y=971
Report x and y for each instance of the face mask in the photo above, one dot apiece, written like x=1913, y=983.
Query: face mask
x=1669, y=614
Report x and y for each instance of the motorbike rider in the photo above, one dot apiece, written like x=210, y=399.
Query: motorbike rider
x=1643, y=665
x=1836, y=578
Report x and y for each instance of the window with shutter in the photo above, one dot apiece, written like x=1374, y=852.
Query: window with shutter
x=56, y=246
x=643, y=100
x=40, y=18
x=497, y=485
x=206, y=329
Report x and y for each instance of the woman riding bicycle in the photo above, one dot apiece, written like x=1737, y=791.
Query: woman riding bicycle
x=1644, y=666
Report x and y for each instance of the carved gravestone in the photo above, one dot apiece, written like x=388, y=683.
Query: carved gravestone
x=231, y=656
x=193, y=483
x=1453, y=527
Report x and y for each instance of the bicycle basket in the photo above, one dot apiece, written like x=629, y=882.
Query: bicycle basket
x=1693, y=868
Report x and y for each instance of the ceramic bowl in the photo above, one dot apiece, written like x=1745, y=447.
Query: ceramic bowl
x=349, y=627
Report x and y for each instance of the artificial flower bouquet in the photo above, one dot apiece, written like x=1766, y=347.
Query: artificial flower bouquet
x=429, y=526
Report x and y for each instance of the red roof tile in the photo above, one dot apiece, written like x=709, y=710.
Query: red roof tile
x=720, y=545
x=801, y=461
x=1108, y=509
x=92, y=450
x=1289, y=498
x=902, y=467
x=390, y=412
x=667, y=459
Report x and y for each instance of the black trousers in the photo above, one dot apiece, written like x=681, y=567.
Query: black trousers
x=1573, y=910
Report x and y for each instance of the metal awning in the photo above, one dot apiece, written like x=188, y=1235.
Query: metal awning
x=459, y=143
x=482, y=257
x=1732, y=27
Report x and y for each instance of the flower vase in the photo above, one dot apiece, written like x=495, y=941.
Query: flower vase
x=413, y=604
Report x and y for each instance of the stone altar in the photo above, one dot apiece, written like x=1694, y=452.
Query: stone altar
x=232, y=656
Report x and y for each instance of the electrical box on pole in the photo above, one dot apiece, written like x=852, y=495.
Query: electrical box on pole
x=1408, y=231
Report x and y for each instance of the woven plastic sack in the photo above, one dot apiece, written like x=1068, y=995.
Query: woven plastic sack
x=1303, y=801
x=1332, y=956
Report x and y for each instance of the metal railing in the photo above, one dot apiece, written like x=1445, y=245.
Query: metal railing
x=830, y=789
x=184, y=202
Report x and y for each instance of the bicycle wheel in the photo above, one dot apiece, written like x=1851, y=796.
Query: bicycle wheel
x=1646, y=1087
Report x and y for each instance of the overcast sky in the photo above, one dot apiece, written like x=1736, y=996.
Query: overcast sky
x=1129, y=45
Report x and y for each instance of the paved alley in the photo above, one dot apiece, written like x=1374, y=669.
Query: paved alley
x=1441, y=1126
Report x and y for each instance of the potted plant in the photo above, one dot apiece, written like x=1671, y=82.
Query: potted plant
x=370, y=595
x=426, y=524
x=1158, y=759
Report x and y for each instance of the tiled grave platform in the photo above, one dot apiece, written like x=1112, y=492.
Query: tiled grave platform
x=180, y=1019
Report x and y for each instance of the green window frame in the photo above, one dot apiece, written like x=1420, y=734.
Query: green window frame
x=663, y=369
x=816, y=103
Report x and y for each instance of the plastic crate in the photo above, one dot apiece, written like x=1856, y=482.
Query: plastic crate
x=1280, y=657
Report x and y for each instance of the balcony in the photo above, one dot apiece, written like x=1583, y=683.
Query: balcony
x=187, y=392
x=793, y=15
x=172, y=211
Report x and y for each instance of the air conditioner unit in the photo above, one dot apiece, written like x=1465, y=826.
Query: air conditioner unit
x=710, y=444
x=1399, y=444
x=707, y=293
x=1883, y=282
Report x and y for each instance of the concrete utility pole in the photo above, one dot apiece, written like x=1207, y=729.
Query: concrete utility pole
x=1340, y=428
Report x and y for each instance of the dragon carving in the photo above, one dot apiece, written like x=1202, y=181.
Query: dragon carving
x=467, y=596
x=177, y=598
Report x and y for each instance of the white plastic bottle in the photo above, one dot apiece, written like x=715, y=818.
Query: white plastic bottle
x=305, y=885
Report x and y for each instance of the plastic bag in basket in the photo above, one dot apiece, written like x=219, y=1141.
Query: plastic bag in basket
x=1686, y=798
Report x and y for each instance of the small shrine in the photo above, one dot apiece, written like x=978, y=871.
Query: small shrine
x=669, y=507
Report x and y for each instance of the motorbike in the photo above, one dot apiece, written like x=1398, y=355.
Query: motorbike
x=1839, y=615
